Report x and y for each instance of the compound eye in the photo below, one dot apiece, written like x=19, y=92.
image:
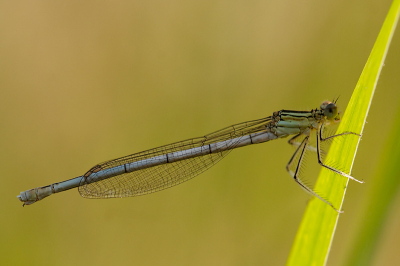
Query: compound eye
x=331, y=111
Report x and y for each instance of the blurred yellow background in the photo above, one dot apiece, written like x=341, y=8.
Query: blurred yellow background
x=86, y=81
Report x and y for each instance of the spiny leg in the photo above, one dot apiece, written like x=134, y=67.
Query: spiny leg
x=292, y=142
x=320, y=139
x=295, y=175
x=294, y=155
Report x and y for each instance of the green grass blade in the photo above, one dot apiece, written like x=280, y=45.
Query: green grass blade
x=314, y=237
x=384, y=189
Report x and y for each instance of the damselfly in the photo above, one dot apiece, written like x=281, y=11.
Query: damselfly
x=166, y=166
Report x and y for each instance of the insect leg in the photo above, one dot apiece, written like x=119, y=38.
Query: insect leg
x=295, y=176
x=319, y=139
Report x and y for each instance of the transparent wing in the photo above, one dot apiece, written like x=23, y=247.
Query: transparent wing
x=163, y=176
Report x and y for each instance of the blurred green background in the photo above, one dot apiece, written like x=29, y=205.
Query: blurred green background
x=84, y=82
